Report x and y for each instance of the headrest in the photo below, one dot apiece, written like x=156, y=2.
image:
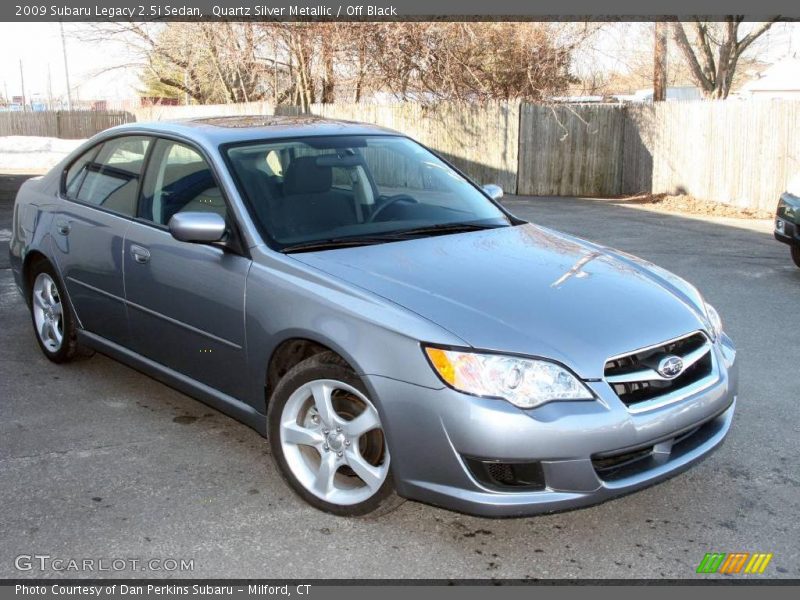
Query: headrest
x=304, y=176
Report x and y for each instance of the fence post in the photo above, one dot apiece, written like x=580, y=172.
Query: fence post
x=58, y=124
x=520, y=109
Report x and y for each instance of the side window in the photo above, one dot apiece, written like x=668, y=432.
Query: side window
x=178, y=179
x=76, y=173
x=108, y=176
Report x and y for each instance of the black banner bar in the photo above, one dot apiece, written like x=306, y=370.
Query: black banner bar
x=386, y=10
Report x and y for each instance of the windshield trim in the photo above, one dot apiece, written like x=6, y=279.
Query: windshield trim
x=277, y=246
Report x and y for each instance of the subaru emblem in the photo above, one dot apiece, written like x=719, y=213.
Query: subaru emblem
x=670, y=366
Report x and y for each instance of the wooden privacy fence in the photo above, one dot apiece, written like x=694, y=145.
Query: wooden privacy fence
x=194, y=111
x=734, y=151
x=570, y=150
x=71, y=125
x=743, y=153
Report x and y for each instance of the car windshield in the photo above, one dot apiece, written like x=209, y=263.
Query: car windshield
x=318, y=192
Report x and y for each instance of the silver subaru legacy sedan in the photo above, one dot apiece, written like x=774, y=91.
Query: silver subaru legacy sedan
x=390, y=328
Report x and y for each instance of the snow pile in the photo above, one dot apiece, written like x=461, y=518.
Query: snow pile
x=31, y=153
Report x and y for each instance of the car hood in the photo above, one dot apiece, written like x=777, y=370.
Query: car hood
x=525, y=289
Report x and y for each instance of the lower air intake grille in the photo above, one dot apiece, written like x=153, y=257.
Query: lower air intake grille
x=509, y=476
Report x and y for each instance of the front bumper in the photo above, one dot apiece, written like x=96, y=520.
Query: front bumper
x=434, y=433
x=787, y=220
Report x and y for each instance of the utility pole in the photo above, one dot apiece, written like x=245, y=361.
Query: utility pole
x=49, y=88
x=22, y=82
x=66, y=65
x=660, y=62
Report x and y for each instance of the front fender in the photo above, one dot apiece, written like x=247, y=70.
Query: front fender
x=286, y=299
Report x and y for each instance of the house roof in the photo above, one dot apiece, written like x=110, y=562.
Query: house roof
x=784, y=75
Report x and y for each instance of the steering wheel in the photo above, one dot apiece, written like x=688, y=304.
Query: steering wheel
x=391, y=200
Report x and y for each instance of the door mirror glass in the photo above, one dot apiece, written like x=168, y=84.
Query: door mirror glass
x=200, y=227
x=494, y=191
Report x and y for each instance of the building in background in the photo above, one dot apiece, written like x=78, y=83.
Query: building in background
x=674, y=94
x=779, y=80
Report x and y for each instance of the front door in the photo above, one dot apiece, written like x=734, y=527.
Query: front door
x=185, y=300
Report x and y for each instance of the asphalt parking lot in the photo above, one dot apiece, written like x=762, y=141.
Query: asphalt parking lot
x=99, y=461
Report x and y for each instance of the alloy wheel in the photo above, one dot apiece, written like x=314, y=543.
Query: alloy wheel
x=48, y=312
x=332, y=439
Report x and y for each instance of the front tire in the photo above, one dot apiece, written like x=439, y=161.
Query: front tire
x=51, y=314
x=796, y=255
x=327, y=439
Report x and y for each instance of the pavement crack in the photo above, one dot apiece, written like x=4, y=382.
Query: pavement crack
x=73, y=451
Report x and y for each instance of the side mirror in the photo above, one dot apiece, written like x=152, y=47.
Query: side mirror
x=202, y=227
x=494, y=191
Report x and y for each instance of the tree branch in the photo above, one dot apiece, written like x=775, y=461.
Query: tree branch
x=679, y=35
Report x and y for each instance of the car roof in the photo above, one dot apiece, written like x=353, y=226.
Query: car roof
x=233, y=129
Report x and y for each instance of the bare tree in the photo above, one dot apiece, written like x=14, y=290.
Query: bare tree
x=203, y=62
x=301, y=63
x=470, y=61
x=712, y=51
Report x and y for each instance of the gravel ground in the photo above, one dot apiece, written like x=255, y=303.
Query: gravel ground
x=97, y=460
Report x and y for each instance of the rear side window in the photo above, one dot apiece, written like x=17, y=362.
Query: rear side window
x=77, y=172
x=108, y=176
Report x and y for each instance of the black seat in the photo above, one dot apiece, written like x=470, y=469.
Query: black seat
x=309, y=204
x=263, y=190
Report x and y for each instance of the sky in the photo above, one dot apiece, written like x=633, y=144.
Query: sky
x=38, y=45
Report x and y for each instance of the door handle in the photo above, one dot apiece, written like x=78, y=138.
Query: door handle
x=139, y=254
x=63, y=227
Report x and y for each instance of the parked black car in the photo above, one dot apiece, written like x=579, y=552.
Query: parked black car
x=787, y=223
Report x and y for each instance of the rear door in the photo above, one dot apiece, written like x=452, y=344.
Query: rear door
x=102, y=187
x=185, y=300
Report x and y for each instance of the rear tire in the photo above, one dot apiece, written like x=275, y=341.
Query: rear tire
x=327, y=439
x=796, y=255
x=52, y=316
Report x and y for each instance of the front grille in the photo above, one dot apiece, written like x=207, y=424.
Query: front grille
x=609, y=464
x=510, y=476
x=635, y=379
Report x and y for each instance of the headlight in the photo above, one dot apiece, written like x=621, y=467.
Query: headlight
x=524, y=382
x=714, y=320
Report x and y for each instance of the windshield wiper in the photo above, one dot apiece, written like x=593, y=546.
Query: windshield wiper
x=445, y=228
x=389, y=236
x=348, y=242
